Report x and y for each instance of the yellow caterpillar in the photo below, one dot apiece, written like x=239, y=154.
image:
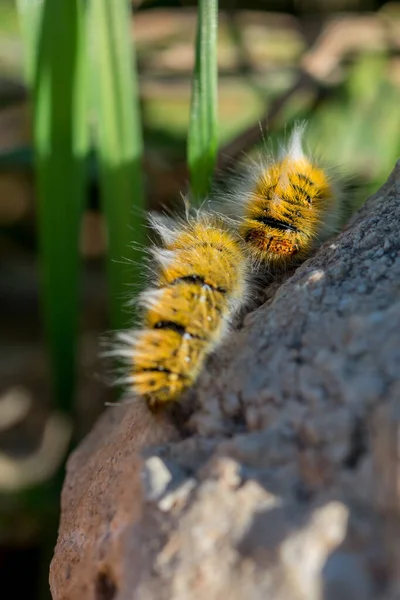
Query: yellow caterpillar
x=200, y=283
x=288, y=204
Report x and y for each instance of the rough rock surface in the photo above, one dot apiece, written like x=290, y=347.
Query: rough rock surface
x=283, y=481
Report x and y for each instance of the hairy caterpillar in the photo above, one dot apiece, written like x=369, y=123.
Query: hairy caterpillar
x=200, y=283
x=288, y=204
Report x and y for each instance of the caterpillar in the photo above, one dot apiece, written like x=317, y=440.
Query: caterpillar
x=288, y=204
x=200, y=283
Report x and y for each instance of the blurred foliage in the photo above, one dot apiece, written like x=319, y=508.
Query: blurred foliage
x=364, y=125
x=354, y=126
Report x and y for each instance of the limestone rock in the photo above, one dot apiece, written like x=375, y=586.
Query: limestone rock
x=281, y=476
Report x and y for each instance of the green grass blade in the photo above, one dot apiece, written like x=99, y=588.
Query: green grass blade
x=57, y=70
x=203, y=135
x=30, y=21
x=119, y=146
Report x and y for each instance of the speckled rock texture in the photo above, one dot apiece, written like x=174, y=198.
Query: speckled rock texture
x=281, y=476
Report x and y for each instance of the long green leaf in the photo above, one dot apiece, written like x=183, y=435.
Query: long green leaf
x=30, y=21
x=56, y=70
x=119, y=146
x=203, y=135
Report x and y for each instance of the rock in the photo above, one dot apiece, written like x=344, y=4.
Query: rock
x=279, y=474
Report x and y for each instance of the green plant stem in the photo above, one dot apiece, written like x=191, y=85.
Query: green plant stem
x=203, y=125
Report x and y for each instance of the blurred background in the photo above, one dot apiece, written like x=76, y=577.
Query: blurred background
x=334, y=62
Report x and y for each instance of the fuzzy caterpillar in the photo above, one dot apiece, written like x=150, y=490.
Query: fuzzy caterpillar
x=288, y=204
x=200, y=284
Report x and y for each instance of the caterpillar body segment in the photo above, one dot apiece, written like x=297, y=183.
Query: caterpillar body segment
x=287, y=205
x=201, y=282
